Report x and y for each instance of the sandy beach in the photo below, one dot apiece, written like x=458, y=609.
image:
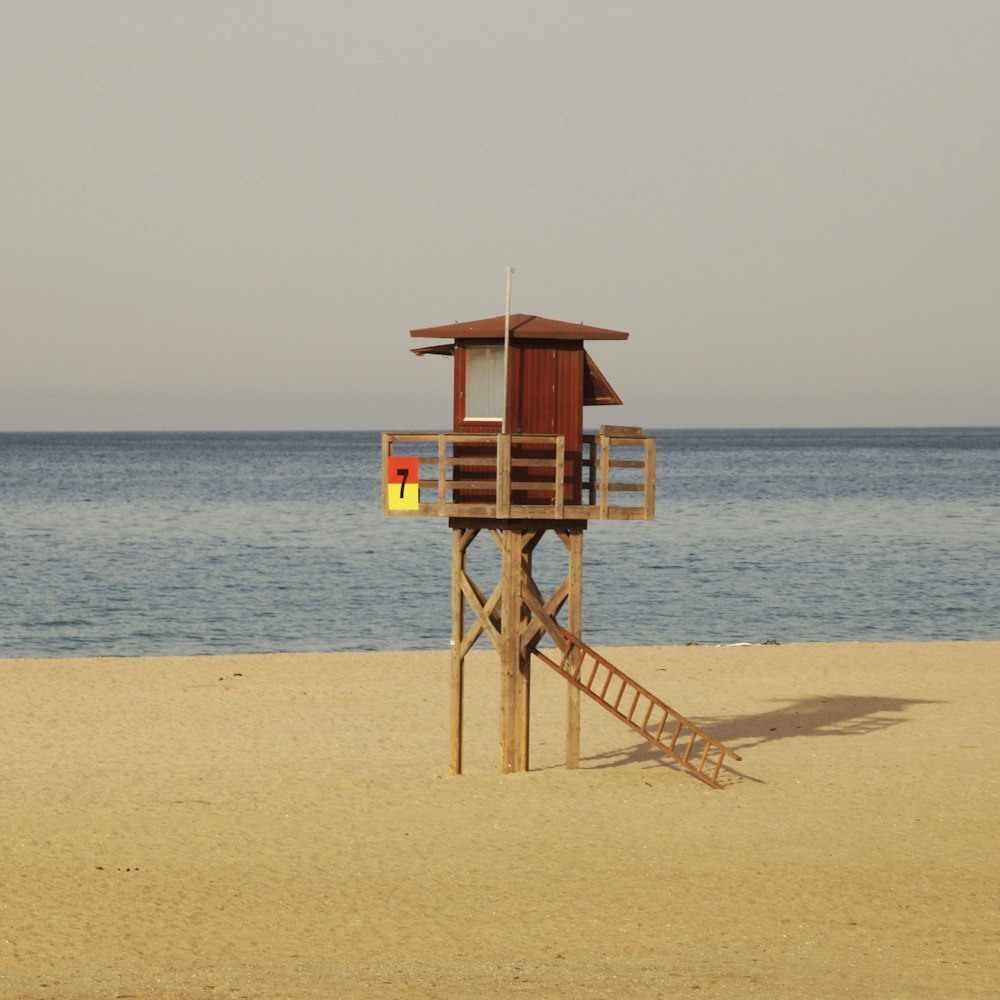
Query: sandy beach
x=284, y=826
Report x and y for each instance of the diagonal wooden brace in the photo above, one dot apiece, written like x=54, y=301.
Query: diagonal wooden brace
x=545, y=613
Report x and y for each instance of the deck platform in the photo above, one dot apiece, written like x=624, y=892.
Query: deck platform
x=526, y=477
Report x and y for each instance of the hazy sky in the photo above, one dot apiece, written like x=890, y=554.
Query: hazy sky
x=229, y=215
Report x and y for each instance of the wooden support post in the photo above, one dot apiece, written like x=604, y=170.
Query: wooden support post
x=386, y=455
x=574, y=625
x=459, y=544
x=529, y=539
x=514, y=618
x=650, y=493
x=503, y=475
x=510, y=652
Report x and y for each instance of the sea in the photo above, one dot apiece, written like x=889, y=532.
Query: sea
x=137, y=544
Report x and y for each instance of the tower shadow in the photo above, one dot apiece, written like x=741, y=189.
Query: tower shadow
x=816, y=716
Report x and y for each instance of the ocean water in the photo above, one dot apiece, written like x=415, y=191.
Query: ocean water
x=142, y=544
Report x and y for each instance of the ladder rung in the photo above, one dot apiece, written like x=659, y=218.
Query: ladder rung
x=659, y=732
x=607, y=684
x=649, y=712
x=677, y=733
x=631, y=711
x=621, y=693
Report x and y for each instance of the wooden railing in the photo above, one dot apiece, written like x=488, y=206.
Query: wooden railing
x=524, y=476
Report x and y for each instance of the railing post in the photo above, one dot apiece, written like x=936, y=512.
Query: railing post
x=503, y=475
x=559, y=498
x=386, y=456
x=605, y=478
x=442, y=475
x=591, y=464
x=650, y=494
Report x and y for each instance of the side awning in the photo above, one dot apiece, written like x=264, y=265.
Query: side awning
x=447, y=350
x=597, y=389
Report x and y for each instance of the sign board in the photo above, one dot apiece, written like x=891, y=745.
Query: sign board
x=403, y=484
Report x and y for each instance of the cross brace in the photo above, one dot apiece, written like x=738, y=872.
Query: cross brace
x=515, y=617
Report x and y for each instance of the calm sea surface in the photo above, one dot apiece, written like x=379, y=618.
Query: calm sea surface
x=131, y=544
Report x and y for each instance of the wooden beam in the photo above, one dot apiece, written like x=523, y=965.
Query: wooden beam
x=527, y=543
x=605, y=476
x=442, y=473
x=545, y=613
x=457, y=654
x=503, y=475
x=386, y=456
x=574, y=625
x=486, y=620
x=650, y=507
x=559, y=499
x=510, y=658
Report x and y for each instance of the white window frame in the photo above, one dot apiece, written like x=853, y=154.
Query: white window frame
x=485, y=363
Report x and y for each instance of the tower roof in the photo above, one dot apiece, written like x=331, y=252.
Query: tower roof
x=522, y=327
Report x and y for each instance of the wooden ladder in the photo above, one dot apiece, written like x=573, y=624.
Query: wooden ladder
x=639, y=709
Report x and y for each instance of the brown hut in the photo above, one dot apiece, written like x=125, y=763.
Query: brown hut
x=548, y=375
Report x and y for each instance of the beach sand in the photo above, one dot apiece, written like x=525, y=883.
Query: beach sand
x=285, y=827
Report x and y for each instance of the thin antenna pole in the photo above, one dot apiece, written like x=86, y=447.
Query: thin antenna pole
x=506, y=353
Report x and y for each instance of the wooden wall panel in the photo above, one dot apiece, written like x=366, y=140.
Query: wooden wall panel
x=545, y=397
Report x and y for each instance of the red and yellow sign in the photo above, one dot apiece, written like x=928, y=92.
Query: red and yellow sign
x=403, y=484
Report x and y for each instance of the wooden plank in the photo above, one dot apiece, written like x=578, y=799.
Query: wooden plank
x=545, y=614
x=481, y=510
x=412, y=438
x=488, y=611
x=533, y=538
x=626, y=442
x=546, y=512
x=535, y=485
x=486, y=486
x=619, y=430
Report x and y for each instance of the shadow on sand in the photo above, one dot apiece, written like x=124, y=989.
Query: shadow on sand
x=818, y=716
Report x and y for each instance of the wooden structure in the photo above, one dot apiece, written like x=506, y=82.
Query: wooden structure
x=537, y=384
x=518, y=465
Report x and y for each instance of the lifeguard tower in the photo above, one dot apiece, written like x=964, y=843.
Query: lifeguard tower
x=517, y=464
